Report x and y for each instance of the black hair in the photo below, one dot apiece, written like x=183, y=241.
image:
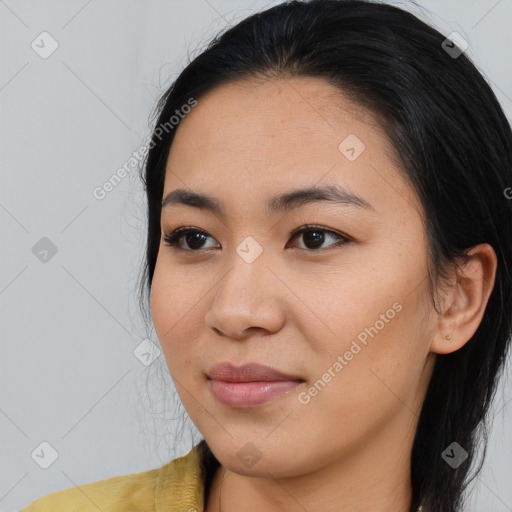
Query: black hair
x=454, y=145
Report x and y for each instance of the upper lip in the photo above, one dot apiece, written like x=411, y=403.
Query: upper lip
x=249, y=372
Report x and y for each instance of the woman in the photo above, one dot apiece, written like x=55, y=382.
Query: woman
x=328, y=261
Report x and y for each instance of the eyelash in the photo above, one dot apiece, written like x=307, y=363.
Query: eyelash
x=173, y=238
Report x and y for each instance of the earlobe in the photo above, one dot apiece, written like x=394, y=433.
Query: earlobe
x=466, y=299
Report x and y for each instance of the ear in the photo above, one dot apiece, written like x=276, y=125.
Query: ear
x=465, y=299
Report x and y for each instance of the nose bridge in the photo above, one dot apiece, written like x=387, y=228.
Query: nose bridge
x=245, y=296
x=247, y=276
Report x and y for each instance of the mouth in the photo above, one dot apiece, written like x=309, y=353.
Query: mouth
x=249, y=385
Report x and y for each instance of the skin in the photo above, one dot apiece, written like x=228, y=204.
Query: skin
x=297, y=308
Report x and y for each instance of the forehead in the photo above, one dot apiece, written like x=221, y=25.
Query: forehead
x=267, y=135
x=277, y=109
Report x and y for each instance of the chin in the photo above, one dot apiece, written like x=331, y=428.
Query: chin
x=257, y=459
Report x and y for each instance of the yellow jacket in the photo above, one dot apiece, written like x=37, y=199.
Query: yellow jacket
x=176, y=487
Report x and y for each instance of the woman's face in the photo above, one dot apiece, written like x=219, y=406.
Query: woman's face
x=347, y=319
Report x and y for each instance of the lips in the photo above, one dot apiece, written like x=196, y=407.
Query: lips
x=249, y=372
x=249, y=385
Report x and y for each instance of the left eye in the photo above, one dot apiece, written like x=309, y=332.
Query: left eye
x=313, y=238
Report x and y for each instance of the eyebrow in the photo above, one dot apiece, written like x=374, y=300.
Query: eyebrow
x=280, y=203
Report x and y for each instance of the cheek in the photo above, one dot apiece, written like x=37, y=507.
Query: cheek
x=379, y=336
x=176, y=313
x=384, y=374
x=160, y=302
x=340, y=307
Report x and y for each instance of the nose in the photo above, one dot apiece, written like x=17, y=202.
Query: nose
x=248, y=298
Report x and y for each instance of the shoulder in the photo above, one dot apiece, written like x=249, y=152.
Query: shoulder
x=128, y=492
x=149, y=491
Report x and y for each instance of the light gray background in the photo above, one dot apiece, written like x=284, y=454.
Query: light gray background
x=69, y=326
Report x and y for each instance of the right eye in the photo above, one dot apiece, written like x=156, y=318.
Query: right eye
x=193, y=237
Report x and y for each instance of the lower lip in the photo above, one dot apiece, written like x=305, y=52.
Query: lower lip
x=249, y=394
